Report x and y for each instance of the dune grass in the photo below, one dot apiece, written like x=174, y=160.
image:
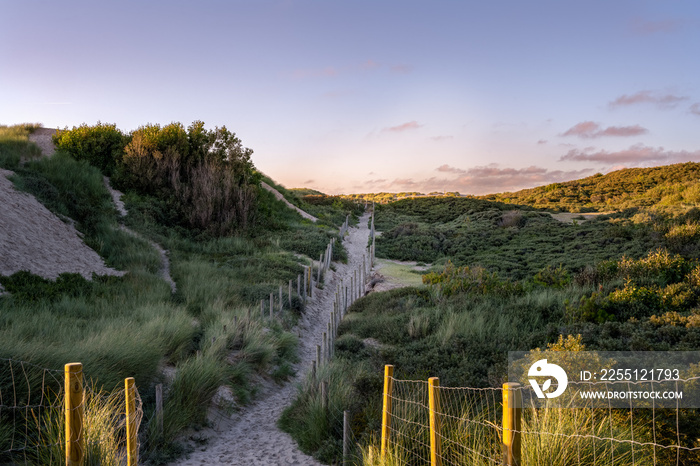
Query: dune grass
x=210, y=333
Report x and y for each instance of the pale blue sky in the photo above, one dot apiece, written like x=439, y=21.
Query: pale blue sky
x=360, y=96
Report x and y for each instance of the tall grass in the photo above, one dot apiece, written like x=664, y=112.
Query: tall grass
x=209, y=335
x=15, y=146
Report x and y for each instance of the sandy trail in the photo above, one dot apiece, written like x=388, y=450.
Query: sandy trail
x=279, y=196
x=251, y=437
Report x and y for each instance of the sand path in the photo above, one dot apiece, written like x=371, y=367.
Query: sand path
x=279, y=196
x=251, y=437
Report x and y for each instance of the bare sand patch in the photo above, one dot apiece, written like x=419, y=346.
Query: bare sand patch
x=32, y=238
x=570, y=217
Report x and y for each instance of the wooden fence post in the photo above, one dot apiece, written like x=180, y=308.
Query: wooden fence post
x=324, y=397
x=272, y=302
x=512, y=407
x=281, y=300
x=435, y=433
x=289, y=294
x=305, y=285
x=74, y=409
x=132, y=450
x=159, y=410
x=386, y=409
x=318, y=355
x=346, y=438
x=311, y=281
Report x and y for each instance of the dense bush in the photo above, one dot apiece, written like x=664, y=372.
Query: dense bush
x=101, y=145
x=205, y=176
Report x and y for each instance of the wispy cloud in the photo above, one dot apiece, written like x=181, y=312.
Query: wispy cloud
x=641, y=97
x=327, y=72
x=695, y=109
x=634, y=155
x=370, y=65
x=441, y=138
x=542, y=141
x=644, y=28
x=590, y=130
x=401, y=69
x=309, y=181
x=411, y=125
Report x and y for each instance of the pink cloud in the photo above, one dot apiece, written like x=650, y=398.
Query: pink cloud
x=645, y=28
x=584, y=129
x=590, y=129
x=370, y=65
x=326, y=72
x=309, y=181
x=441, y=138
x=660, y=100
x=542, y=141
x=695, y=109
x=401, y=69
x=479, y=180
x=449, y=169
x=411, y=125
x=634, y=155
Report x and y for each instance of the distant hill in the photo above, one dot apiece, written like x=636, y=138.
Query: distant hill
x=301, y=192
x=383, y=198
x=669, y=185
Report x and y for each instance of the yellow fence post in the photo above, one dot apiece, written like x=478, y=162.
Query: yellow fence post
x=386, y=410
x=512, y=407
x=74, y=408
x=435, y=435
x=132, y=452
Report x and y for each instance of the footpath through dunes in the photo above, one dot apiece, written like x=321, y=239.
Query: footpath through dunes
x=279, y=196
x=251, y=437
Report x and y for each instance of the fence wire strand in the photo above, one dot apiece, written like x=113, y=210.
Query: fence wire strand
x=471, y=430
x=32, y=417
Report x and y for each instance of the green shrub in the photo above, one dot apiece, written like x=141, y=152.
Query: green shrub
x=101, y=145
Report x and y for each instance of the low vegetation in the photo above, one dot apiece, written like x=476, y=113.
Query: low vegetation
x=511, y=278
x=209, y=334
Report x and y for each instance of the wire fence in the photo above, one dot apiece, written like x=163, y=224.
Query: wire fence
x=471, y=426
x=37, y=416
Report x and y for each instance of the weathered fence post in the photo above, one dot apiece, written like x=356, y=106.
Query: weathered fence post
x=281, y=300
x=272, y=303
x=435, y=434
x=512, y=407
x=324, y=397
x=318, y=355
x=132, y=450
x=159, y=410
x=289, y=294
x=325, y=347
x=386, y=408
x=311, y=282
x=346, y=438
x=74, y=409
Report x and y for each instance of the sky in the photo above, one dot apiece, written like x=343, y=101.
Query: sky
x=361, y=96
